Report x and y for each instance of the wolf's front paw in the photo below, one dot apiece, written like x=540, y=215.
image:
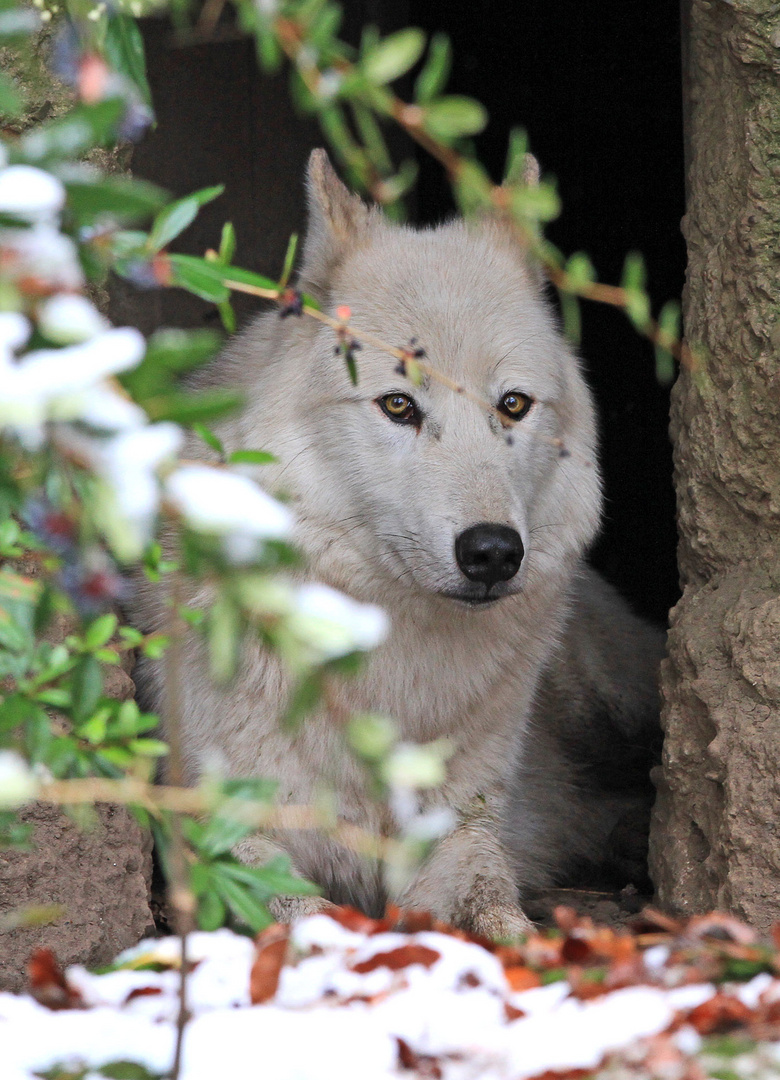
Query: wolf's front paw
x=501, y=922
x=288, y=909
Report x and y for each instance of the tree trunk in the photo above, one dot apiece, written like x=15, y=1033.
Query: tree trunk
x=716, y=831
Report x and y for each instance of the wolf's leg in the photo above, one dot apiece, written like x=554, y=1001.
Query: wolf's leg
x=256, y=851
x=468, y=881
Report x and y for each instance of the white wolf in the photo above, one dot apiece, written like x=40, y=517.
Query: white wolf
x=414, y=498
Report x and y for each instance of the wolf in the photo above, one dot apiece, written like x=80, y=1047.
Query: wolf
x=466, y=514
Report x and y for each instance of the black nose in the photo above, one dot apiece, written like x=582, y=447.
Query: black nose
x=489, y=553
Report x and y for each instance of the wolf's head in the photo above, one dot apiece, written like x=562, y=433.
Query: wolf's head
x=471, y=484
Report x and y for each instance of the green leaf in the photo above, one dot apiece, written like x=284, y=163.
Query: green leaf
x=170, y=353
x=275, y=878
x=71, y=135
x=12, y=635
x=433, y=77
x=57, y=698
x=472, y=187
x=634, y=273
x=289, y=259
x=124, y=199
x=9, y=539
x=227, y=243
x=580, y=269
x=175, y=218
x=154, y=647
x=668, y=337
x=95, y=729
x=251, y=457
x=540, y=203
x=86, y=687
x=148, y=747
x=514, y=172
x=100, y=631
x=246, y=277
x=227, y=316
x=187, y=408
x=240, y=901
x=209, y=438
x=391, y=58
x=572, y=321
x=10, y=98
x=15, y=587
x=221, y=834
x=212, y=912
x=453, y=117
x=125, y=1070
x=124, y=49
x=637, y=307
x=200, y=277
x=224, y=637
x=303, y=699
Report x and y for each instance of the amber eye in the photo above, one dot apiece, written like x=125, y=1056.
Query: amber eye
x=399, y=407
x=515, y=404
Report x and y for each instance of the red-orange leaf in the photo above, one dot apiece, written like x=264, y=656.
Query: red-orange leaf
x=48, y=984
x=271, y=946
x=399, y=958
x=720, y=1014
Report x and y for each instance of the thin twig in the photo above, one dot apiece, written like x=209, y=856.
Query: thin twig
x=405, y=356
x=411, y=118
x=159, y=799
x=181, y=896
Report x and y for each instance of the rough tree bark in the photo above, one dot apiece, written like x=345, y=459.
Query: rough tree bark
x=716, y=830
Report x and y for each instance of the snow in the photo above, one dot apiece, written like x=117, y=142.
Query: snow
x=329, y=1021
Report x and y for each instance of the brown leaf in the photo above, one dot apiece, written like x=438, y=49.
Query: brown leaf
x=399, y=958
x=650, y=920
x=522, y=978
x=271, y=946
x=423, y=1066
x=567, y=919
x=720, y=1014
x=142, y=991
x=722, y=927
x=352, y=919
x=576, y=950
x=413, y=922
x=48, y=984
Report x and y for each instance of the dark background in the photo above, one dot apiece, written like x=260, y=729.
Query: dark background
x=597, y=87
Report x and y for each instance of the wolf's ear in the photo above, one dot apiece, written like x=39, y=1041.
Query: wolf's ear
x=507, y=237
x=338, y=220
x=531, y=171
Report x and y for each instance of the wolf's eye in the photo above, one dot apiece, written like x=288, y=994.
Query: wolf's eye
x=399, y=407
x=515, y=404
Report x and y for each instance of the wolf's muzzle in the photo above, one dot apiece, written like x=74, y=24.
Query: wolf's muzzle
x=489, y=552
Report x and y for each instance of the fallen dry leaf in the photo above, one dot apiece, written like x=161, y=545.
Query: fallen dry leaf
x=48, y=984
x=271, y=945
x=142, y=991
x=397, y=959
x=422, y=1065
x=522, y=978
x=720, y=1014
